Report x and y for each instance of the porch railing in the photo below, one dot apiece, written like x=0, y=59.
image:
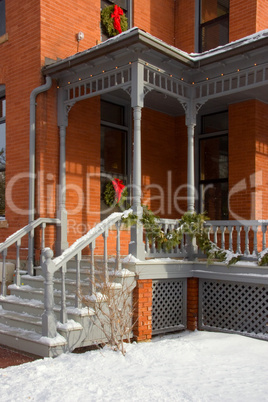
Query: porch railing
x=50, y=266
x=15, y=238
x=242, y=237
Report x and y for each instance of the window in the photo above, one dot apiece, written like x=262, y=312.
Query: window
x=126, y=6
x=2, y=154
x=114, y=147
x=214, y=24
x=213, y=178
x=2, y=17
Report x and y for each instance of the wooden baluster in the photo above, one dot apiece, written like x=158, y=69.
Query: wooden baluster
x=17, y=276
x=215, y=231
x=49, y=322
x=238, y=246
x=63, y=312
x=43, y=227
x=230, y=229
x=92, y=270
x=105, y=256
x=3, y=288
x=263, y=228
x=255, y=241
x=246, y=228
x=78, y=280
x=222, y=228
x=118, y=262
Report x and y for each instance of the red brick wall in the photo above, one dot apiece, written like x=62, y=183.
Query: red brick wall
x=185, y=25
x=248, y=153
x=192, y=303
x=20, y=72
x=242, y=18
x=262, y=15
x=163, y=161
x=142, y=303
x=155, y=17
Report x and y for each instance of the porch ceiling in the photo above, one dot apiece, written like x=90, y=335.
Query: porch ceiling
x=228, y=74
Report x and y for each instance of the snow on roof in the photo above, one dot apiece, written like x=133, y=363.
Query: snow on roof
x=191, y=57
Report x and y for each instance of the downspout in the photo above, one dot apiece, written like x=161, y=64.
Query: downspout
x=34, y=93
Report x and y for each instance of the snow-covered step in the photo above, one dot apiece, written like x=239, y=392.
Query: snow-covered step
x=32, y=342
x=37, y=282
x=36, y=308
x=29, y=292
x=21, y=320
x=70, y=274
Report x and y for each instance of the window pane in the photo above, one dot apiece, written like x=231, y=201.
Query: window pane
x=112, y=113
x=113, y=151
x=211, y=9
x=215, y=34
x=214, y=123
x=120, y=3
x=2, y=17
x=214, y=197
x=214, y=158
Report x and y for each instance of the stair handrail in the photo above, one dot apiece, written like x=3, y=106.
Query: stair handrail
x=88, y=238
x=25, y=230
x=16, y=238
x=50, y=266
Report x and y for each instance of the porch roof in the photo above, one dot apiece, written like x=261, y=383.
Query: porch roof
x=231, y=73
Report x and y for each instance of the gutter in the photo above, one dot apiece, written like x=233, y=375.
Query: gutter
x=34, y=93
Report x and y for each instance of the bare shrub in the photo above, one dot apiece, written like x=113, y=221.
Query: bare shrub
x=113, y=305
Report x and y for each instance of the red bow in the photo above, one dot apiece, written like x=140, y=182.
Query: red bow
x=118, y=188
x=116, y=15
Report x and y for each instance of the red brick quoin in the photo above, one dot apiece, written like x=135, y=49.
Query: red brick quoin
x=142, y=301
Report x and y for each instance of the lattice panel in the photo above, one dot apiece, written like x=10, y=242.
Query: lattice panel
x=169, y=305
x=235, y=307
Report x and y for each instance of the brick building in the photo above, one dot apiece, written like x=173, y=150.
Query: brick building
x=176, y=106
x=230, y=150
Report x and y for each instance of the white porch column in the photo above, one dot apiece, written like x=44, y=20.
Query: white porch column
x=191, y=110
x=190, y=169
x=61, y=243
x=136, y=246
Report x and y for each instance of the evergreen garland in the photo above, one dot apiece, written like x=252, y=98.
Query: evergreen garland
x=108, y=23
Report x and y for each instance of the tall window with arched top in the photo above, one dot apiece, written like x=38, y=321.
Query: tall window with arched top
x=214, y=24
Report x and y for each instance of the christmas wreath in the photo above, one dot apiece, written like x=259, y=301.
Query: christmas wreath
x=113, y=20
x=115, y=193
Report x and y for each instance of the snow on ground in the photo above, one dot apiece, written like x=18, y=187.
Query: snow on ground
x=197, y=366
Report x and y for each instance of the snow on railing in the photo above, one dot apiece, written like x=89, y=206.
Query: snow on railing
x=15, y=238
x=50, y=266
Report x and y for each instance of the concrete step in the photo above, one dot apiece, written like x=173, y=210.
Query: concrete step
x=32, y=342
x=36, y=308
x=37, y=282
x=28, y=292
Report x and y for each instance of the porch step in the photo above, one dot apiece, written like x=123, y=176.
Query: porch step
x=36, y=308
x=29, y=292
x=31, y=342
x=70, y=285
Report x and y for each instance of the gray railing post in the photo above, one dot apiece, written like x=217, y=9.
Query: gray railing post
x=263, y=228
x=78, y=282
x=4, y=286
x=92, y=268
x=43, y=227
x=63, y=311
x=30, y=252
x=118, y=262
x=49, y=322
x=105, y=255
x=17, y=276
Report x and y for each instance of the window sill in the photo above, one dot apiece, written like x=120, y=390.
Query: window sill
x=4, y=38
x=3, y=223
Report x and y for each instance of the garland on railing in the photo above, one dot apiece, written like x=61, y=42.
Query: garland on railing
x=113, y=20
x=191, y=224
